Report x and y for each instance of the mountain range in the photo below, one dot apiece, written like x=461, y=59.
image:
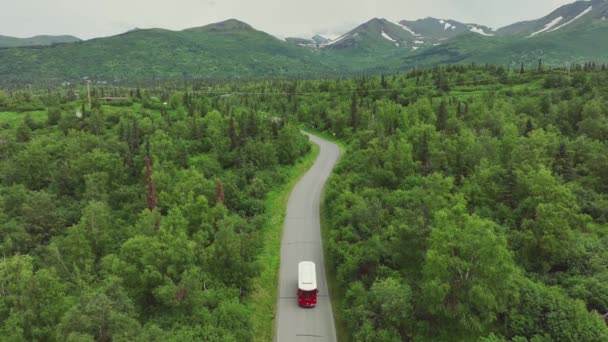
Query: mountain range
x=573, y=33
x=6, y=41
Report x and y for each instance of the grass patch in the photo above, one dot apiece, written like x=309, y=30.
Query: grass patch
x=14, y=118
x=263, y=300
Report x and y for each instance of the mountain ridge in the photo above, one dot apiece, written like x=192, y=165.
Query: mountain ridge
x=565, y=16
x=223, y=26
x=233, y=48
x=40, y=40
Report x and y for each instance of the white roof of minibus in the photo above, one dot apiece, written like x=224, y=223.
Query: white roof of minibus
x=307, y=277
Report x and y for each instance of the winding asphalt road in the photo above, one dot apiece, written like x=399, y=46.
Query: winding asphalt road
x=302, y=242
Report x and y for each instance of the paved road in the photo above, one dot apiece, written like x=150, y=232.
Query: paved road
x=302, y=241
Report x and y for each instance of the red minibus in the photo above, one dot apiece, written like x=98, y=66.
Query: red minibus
x=307, y=284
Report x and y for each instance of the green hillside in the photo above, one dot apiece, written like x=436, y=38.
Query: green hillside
x=157, y=53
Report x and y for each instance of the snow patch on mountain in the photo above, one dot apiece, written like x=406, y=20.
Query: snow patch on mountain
x=336, y=40
x=548, y=26
x=387, y=37
x=480, y=31
x=574, y=19
x=340, y=39
x=320, y=40
x=447, y=26
x=418, y=42
x=408, y=29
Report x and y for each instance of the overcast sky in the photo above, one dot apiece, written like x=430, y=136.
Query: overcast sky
x=301, y=18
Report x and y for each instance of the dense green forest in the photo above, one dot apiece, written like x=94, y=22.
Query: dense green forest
x=137, y=221
x=471, y=205
x=464, y=213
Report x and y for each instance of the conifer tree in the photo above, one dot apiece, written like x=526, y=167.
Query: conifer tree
x=561, y=163
x=425, y=154
x=24, y=133
x=442, y=116
x=150, y=192
x=508, y=188
x=232, y=134
x=29, y=122
x=219, y=192
x=252, y=128
x=529, y=127
x=354, y=112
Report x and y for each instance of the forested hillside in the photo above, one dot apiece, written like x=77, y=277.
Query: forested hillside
x=471, y=204
x=135, y=221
